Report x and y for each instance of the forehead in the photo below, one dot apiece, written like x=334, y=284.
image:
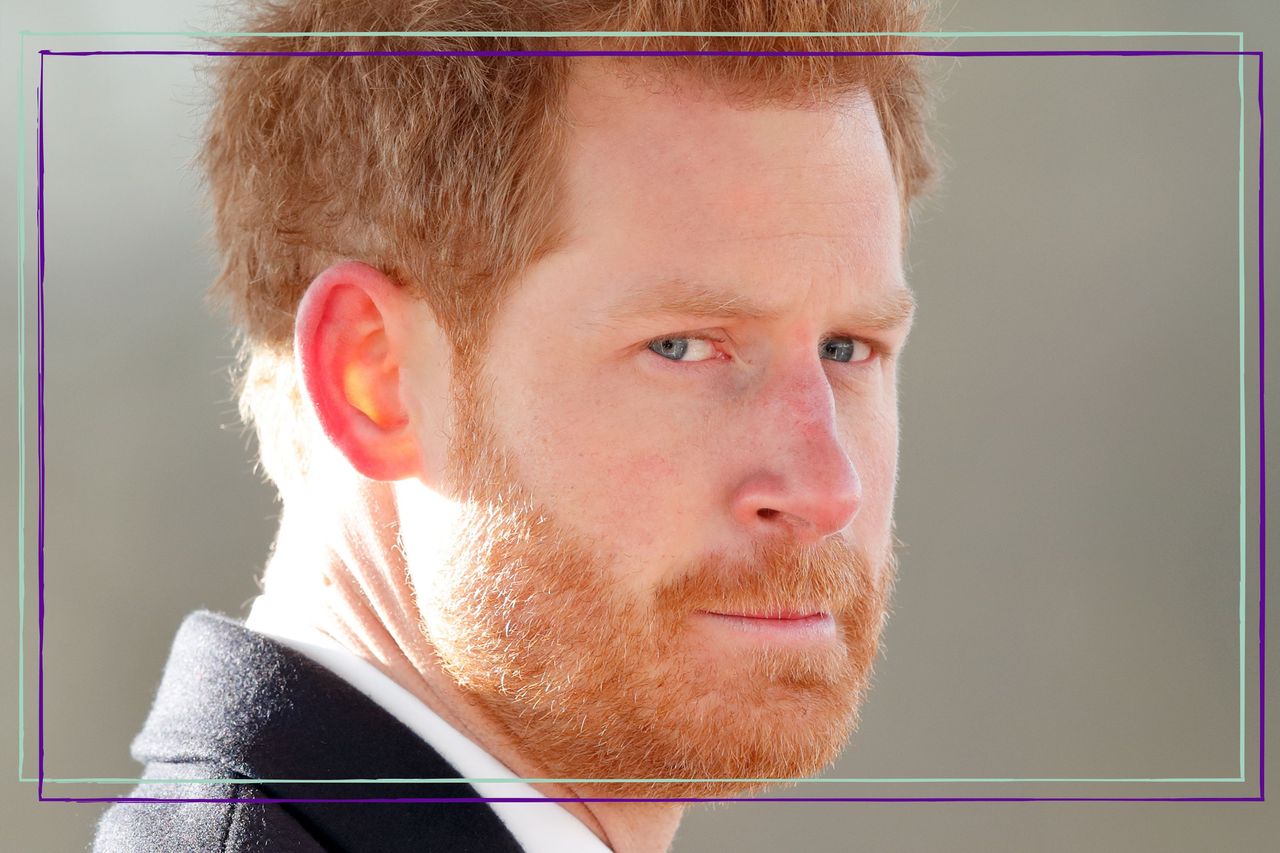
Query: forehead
x=669, y=178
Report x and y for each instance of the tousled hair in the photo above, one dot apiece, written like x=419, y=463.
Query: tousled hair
x=442, y=170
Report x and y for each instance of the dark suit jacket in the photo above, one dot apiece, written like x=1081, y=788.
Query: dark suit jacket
x=236, y=705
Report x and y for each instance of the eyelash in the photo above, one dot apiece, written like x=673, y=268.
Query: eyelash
x=879, y=351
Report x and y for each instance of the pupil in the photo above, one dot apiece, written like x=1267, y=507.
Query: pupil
x=675, y=348
x=839, y=350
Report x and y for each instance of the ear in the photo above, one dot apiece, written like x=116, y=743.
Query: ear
x=350, y=368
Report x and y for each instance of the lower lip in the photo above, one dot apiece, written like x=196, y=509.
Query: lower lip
x=801, y=629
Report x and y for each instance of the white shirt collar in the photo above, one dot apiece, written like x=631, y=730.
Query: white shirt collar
x=537, y=827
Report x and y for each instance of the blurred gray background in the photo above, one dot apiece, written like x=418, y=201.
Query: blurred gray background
x=1070, y=486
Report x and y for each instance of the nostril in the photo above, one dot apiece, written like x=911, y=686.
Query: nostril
x=767, y=513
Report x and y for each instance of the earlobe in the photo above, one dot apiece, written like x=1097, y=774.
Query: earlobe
x=350, y=369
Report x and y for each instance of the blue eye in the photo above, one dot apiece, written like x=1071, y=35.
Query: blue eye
x=844, y=349
x=672, y=348
x=683, y=349
x=688, y=349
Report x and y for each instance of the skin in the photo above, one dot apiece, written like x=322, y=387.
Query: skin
x=767, y=462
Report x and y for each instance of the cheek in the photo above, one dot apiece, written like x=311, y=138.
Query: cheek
x=615, y=455
x=609, y=466
x=875, y=452
x=877, y=439
x=643, y=504
x=634, y=483
x=646, y=475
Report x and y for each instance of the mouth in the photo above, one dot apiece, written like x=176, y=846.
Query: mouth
x=773, y=615
x=786, y=626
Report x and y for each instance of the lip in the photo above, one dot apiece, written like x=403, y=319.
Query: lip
x=785, y=626
x=770, y=615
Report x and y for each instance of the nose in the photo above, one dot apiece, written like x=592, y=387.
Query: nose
x=808, y=488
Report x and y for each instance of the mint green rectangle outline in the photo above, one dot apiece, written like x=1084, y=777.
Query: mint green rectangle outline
x=551, y=34
x=22, y=396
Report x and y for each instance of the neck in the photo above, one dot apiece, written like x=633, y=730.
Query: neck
x=342, y=574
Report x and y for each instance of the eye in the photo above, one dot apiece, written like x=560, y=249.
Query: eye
x=683, y=349
x=846, y=349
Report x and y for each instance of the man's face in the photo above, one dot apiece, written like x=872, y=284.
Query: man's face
x=675, y=464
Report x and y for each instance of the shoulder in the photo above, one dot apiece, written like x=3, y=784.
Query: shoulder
x=235, y=705
x=218, y=818
x=194, y=817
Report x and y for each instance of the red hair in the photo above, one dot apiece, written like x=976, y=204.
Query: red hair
x=442, y=171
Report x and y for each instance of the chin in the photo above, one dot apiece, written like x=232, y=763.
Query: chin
x=738, y=739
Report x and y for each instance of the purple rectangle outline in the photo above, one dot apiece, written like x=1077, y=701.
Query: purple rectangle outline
x=1262, y=457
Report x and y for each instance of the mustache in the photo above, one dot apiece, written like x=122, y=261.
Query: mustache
x=775, y=576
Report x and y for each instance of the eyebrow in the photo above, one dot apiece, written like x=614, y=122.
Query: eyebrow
x=889, y=309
